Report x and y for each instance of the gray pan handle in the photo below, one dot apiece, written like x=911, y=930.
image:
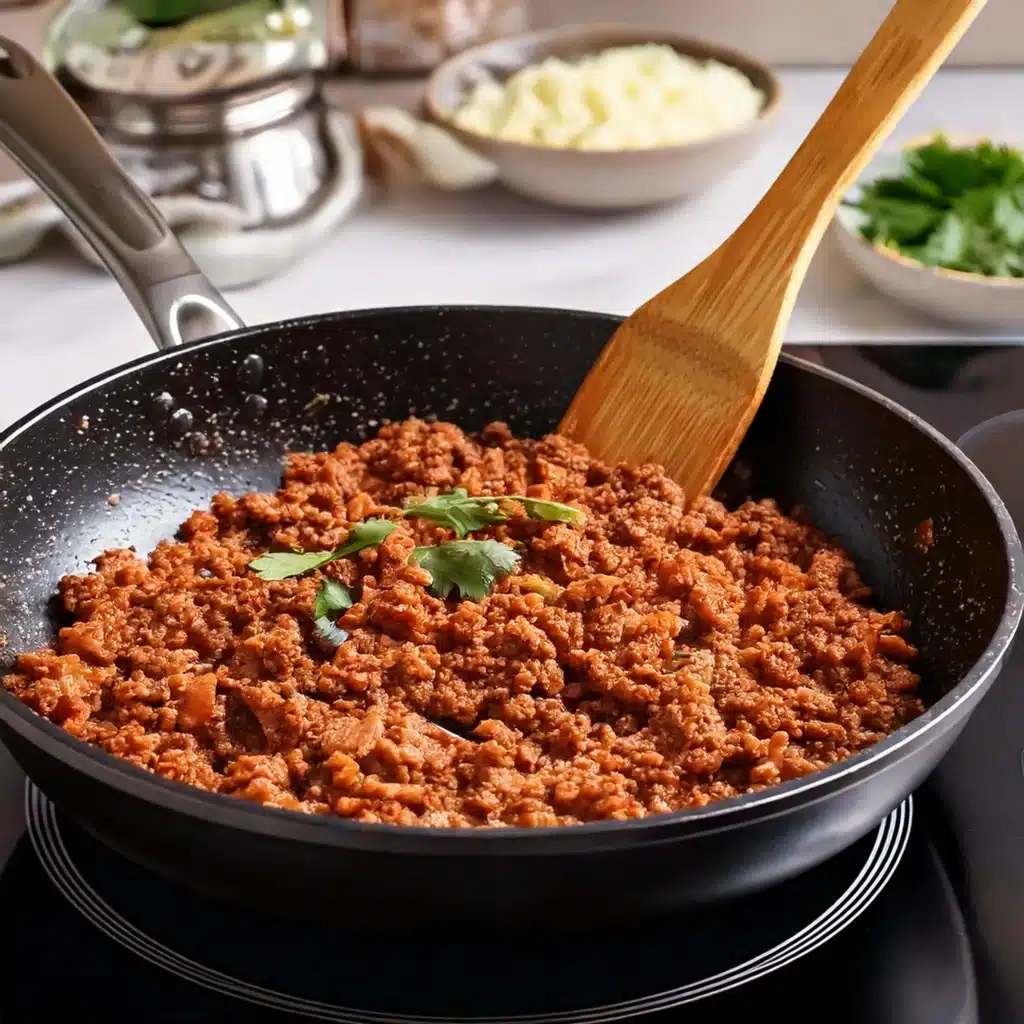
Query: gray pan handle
x=45, y=132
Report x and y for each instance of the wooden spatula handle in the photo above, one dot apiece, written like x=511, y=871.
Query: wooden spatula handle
x=682, y=378
x=905, y=53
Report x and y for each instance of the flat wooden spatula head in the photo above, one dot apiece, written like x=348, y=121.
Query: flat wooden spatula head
x=682, y=378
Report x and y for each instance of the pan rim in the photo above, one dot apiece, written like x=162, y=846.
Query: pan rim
x=330, y=830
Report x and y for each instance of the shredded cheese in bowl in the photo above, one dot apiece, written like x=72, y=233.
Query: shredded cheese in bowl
x=626, y=97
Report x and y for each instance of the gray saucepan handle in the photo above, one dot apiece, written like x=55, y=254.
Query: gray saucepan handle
x=52, y=140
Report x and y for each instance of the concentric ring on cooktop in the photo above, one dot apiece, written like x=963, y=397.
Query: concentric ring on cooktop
x=215, y=946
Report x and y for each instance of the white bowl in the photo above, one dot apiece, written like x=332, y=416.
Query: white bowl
x=599, y=179
x=970, y=299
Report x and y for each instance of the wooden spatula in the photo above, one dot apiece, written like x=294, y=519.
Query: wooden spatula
x=681, y=379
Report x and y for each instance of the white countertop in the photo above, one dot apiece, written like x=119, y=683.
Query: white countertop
x=63, y=321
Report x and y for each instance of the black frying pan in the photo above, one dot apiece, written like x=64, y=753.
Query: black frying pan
x=169, y=430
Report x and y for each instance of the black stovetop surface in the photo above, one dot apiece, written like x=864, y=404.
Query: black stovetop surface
x=921, y=923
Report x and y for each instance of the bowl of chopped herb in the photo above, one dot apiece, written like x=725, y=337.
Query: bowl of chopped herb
x=939, y=226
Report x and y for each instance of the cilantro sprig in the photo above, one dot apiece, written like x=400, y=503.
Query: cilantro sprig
x=463, y=514
x=471, y=566
x=332, y=599
x=281, y=565
x=956, y=207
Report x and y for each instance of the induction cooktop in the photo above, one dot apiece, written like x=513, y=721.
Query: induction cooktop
x=921, y=922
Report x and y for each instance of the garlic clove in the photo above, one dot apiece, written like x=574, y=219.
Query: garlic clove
x=388, y=156
x=401, y=144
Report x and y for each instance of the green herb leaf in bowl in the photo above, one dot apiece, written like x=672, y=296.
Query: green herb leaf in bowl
x=957, y=207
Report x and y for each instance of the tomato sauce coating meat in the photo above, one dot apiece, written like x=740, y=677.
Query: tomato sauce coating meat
x=649, y=659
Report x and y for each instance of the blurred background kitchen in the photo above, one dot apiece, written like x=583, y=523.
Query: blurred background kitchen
x=289, y=142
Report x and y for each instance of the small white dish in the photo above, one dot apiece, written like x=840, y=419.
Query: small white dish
x=593, y=179
x=969, y=299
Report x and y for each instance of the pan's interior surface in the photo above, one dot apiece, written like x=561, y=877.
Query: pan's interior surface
x=123, y=462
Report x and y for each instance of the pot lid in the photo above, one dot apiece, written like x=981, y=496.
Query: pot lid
x=173, y=51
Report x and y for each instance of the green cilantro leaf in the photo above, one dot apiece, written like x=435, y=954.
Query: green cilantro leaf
x=911, y=186
x=331, y=599
x=1008, y=218
x=281, y=565
x=958, y=207
x=978, y=204
x=463, y=514
x=553, y=511
x=472, y=566
x=953, y=170
x=365, y=535
x=904, y=221
x=947, y=244
x=458, y=511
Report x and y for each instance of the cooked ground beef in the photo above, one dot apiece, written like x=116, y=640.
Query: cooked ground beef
x=650, y=659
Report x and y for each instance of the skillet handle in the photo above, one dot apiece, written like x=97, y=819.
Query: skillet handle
x=45, y=132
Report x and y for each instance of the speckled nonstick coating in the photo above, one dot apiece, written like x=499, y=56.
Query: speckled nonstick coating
x=125, y=458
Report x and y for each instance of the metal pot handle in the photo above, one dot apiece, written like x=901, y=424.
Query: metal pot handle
x=45, y=132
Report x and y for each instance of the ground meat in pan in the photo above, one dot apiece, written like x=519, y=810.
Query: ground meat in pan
x=650, y=659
